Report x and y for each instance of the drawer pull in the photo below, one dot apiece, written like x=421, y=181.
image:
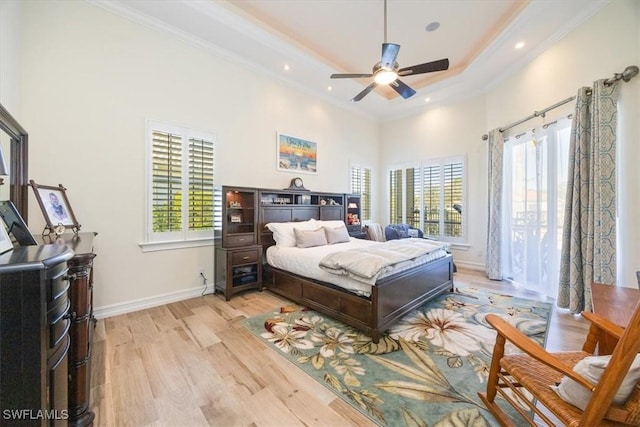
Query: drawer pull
x=241, y=239
x=246, y=257
x=71, y=315
x=70, y=277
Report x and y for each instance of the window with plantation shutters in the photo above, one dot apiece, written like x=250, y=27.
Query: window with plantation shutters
x=431, y=190
x=430, y=197
x=395, y=197
x=180, y=187
x=166, y=182
x=361, y=184
x=200, y=185
x=452, y=198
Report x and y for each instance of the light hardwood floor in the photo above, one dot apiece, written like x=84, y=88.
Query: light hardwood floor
x=189, y=363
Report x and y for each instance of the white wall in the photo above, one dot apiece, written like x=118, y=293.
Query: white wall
x=597, y=49
x=91, y=79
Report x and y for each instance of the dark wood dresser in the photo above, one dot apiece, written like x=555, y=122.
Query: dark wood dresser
x=82, y=324
x=35, y=319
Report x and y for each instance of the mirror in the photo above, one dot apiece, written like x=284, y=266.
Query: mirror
x=14, y=143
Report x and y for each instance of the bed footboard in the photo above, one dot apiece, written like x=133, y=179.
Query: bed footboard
x=391, y=298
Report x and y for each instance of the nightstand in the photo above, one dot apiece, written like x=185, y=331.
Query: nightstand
x=238, y=269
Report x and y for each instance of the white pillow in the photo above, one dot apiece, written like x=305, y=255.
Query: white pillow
x=337, y=234
x=310, y=238
x=592, y=368
x=283, y=233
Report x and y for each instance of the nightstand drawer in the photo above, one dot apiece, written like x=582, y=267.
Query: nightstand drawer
x=240, y=240
x=244, y=257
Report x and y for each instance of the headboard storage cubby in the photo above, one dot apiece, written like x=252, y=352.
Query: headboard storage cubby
x=287, y=206
x=245, y=211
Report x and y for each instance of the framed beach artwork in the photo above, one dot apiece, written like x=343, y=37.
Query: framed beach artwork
x=296, y=154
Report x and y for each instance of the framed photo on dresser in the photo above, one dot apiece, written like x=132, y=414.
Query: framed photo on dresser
x=55, y=207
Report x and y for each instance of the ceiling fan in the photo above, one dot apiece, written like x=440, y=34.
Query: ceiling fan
x=387, y=70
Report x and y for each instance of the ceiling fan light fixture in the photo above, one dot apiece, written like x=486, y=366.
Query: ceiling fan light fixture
x=386, y=71
x=384, y=77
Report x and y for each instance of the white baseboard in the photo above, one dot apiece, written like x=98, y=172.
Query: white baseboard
x=141, y=304
x=470, y=265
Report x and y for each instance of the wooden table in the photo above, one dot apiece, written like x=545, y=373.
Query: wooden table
x=616, y=303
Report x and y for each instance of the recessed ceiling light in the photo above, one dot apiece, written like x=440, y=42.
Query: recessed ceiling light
x=329, y=88
x=519, y=45
x=427, y=100
x=286, y=67
x=432, y=26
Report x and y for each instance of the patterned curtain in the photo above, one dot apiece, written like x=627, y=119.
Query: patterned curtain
x=589, y=234
x=494, y=233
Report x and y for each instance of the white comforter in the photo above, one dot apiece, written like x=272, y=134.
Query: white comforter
x=367, y=264
x=305, y=262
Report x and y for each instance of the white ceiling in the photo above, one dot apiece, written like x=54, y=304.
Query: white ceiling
x=317, y=38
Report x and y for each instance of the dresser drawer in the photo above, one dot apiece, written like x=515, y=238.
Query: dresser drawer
x=244, y=257
x=59, y=323
x=57, y=284
x=235, y=240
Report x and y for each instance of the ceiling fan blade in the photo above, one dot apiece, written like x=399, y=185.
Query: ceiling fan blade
x=364, y=93
x=428, y=67
x=404, y=90
x=350, y=76
x=389, y=54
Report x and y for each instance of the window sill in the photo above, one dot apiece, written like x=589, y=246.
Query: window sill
x=178, y=244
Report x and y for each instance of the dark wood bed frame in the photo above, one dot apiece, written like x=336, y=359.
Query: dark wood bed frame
x=391, y=298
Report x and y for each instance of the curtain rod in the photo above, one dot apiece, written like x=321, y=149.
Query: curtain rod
x=628, y=73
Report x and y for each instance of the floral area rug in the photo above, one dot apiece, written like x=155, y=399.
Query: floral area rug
x=425, y=371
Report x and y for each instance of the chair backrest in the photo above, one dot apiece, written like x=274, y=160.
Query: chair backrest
x=623, y=356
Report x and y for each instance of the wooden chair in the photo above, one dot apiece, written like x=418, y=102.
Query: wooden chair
x=535, y=370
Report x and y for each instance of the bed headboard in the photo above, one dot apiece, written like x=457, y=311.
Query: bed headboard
x=294, y=206
x=282, y=214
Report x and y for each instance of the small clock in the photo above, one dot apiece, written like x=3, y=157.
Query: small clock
x=59, y=230
x=296, y=184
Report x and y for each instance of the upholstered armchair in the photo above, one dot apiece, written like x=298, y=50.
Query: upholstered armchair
x=401, y=231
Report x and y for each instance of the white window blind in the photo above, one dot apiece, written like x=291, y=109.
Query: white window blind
x=395, y=197
x=430, y=196
x=452, y=195
x=200, y=184
x=167, y=182
x=361, y=184
x=180, y=185
x=431, y=184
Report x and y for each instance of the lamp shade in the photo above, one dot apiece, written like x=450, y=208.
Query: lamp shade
x=352, y=206
x=4, y=170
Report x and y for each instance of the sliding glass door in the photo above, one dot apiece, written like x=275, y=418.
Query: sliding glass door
x=535, y=185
